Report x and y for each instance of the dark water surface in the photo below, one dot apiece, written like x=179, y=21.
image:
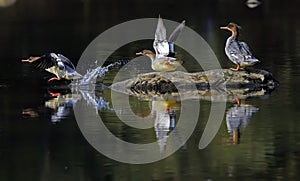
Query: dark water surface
x=39, y=135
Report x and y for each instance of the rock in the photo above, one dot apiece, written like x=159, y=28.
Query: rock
x=216, y=84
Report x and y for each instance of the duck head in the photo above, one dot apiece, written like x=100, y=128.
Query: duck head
x=73, y=75
x=233, y=28
x=147, y=53
x=66, y=72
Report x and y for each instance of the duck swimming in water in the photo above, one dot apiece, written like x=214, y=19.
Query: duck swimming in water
x=238, y=52
x=56, y=64
x=164, y=58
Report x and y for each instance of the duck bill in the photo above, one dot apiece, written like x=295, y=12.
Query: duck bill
x=31, y=59
x=139, y=53
x=75, y=75
x=25, y=60
x=224, y=28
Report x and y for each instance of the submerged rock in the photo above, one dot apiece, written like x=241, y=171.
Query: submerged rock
x=221, y=83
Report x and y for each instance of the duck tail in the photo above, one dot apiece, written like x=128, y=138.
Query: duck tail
x=253, y=60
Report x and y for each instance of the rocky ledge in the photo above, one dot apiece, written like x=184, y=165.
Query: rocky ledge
x=219, y=84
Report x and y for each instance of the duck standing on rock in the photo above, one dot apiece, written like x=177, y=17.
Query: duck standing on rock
x=56, y=64
x=164, y=58
x=238, y=52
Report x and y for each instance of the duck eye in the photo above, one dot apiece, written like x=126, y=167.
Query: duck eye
x=61, y=66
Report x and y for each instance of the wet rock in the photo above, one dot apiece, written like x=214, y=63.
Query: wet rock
x=221, y=82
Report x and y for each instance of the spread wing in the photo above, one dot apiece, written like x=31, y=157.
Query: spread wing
x=160, y=43
x=176, y=32
x=43, y=62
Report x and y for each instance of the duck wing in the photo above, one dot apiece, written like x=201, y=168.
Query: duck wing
x=160, y=43
x=176, y=32
x=43, y=62
x=244, y=48
x=66, y=61
x=239, y=52
x=233, y=51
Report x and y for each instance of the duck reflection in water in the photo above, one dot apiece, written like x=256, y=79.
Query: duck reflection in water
x=62, y=105
x=238, y=117
x=164, y=112
x=97, y=101
x=58, y=107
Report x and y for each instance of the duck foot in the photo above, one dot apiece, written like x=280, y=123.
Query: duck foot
x=53, y=78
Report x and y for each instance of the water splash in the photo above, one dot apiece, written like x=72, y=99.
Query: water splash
x=88, y=85
x=97, y=73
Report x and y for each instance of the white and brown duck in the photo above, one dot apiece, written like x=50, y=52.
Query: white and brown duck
x=238, y=52
x=163, y=59
x=56, y=64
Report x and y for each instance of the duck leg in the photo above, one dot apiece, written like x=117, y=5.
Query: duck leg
x=238, y=101
x=236, y=136
x=53, y=78
x=238, y=67
x=53, y=94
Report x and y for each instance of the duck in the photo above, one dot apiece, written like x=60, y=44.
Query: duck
x=161, y=63
x=56, y=64
x=238, y=117
x=164, y=59
x=238, y=52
